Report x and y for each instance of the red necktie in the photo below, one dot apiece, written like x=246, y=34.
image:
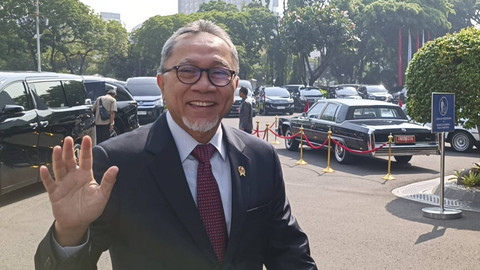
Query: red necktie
x=209, y=201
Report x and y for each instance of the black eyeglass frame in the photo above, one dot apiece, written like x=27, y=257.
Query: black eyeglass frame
x=207, y=70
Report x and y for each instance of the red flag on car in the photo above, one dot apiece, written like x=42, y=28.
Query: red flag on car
x=400, y=101
x=306, y=106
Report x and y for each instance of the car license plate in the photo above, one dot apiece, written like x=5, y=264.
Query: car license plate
x=281, y=107
x=404, y=139
x=141, y=112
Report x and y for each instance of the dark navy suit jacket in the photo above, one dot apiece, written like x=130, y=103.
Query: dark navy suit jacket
x=151, y=220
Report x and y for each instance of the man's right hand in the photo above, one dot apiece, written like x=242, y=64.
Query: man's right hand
x=77, y=199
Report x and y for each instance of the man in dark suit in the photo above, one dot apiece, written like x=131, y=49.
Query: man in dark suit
x=148, y=209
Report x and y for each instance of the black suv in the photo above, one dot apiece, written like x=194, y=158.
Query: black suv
x=126, y=117
x=37, y=111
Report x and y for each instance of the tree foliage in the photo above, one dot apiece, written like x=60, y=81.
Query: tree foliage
x=447, y=64
x=324, y=29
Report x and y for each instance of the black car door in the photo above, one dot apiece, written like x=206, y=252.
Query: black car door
x=19, y=155
x=58, y=116
x=311, y=122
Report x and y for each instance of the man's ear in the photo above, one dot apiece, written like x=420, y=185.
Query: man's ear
x=160, y=81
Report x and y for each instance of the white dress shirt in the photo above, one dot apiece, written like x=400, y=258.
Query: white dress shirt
x=220, y=164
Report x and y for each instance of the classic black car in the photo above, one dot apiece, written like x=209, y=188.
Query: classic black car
x=360, y=125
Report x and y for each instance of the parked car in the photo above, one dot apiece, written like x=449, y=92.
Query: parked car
x=292, y=87
x=126, y=116
x=375, y=92
x=147, y=93
x=37, y=111
x=274, y=99
x=462, y=139
x=234, y=110
x=302, y=94
x=343, y=91
x=361, y=125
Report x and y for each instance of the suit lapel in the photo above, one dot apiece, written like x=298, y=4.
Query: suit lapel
x=240, y=189
x=170, y=177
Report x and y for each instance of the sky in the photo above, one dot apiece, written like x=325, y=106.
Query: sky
x=133, y=12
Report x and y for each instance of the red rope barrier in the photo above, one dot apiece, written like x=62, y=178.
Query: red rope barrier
x=357, y=151
x=312, y=146
x=284, y=137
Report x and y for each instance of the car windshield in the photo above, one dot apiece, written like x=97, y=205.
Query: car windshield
x=311, y=92
x=277, y=92
x=377, y=113
x=144, y=88
x=376, y=89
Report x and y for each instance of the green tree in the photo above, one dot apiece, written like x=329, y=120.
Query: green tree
x=218, y=5
x=324, y=29
x=447, y=64
x=113, y=59
x=148, y=40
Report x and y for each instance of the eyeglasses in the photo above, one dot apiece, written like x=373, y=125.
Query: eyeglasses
x=191, y=74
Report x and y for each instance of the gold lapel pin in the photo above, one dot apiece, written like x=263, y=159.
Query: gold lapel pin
x=241, y=170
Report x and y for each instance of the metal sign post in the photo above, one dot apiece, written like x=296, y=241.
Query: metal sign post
x=443, y=119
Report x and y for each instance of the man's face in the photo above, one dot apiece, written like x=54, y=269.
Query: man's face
x=199, y=107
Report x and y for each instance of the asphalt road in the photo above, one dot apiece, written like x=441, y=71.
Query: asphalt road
x=351, y=216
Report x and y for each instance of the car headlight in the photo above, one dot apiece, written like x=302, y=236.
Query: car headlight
x=158, y=103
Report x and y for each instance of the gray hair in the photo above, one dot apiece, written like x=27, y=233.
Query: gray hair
x=194, y=28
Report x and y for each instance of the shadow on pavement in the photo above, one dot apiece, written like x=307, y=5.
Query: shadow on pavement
x=412, y=211
x=21, y=194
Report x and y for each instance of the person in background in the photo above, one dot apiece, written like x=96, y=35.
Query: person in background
x=245, y=112
x=185, y=192
x=104, y=127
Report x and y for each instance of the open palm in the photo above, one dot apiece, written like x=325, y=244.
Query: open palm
x=77, y=199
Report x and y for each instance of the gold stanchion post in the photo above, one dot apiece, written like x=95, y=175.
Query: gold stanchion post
x=301, y=161
x=276, y=125
x=258, y=128
x=328, y=169
x=389, y=175
x=266, y=130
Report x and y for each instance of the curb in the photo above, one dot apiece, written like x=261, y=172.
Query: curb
x=429, y=192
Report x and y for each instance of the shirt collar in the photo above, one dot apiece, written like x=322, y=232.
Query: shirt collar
x=186, y=143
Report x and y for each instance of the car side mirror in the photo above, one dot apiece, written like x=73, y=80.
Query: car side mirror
x=9, y=109
x=88, y=101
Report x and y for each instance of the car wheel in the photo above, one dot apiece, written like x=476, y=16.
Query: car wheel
x=402, y=159
x=290, y=144
x=461, y=141
x=290, y=112
x=341, y=155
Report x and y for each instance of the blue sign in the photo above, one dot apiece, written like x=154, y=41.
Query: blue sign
x=443, y=112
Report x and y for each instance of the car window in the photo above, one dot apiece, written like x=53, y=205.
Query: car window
x=144, y=87
x=49, y=94
x=315, y=110
x=75, y=92
x=376, y=113
x=14, y=94
x=330, y=112
x=277, y=92
x=122, y=95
